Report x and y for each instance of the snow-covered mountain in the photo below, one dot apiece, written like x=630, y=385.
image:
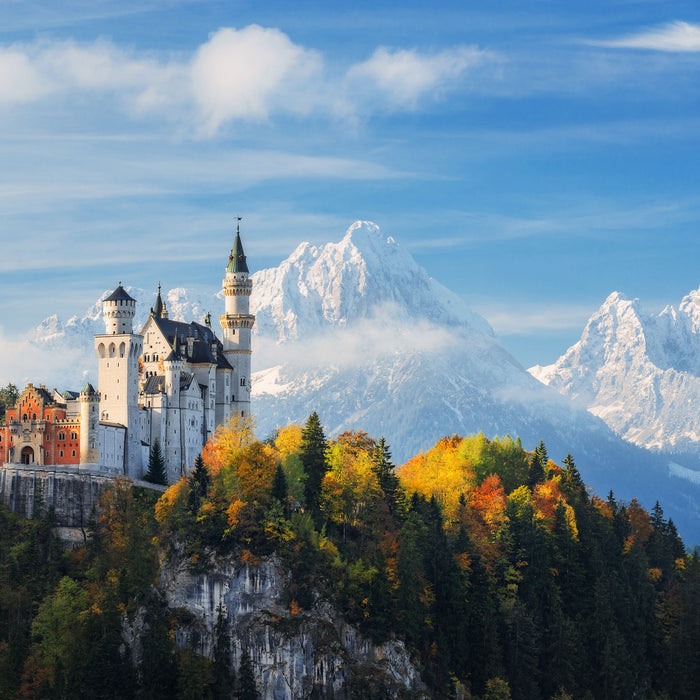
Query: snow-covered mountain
x=638, y=371
x=359, y=332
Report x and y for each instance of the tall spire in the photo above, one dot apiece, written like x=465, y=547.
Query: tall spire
x=236, y=260
x=158, y=310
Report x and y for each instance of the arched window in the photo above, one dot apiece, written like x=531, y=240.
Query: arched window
x=242, y=381
x=112, y=350
x=122, y=349
x=33, y=416
x=101, y=351
x=61, y=436
x=25, y=416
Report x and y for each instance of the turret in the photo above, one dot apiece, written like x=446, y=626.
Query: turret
x=118, y=352
x=89, y=422
x=118, y=310
x=173, y=428
x=160, y=310
x=237, y=324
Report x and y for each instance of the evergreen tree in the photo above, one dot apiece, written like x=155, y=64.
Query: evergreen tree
x=247, y=689
x=199, y=483
x=279, y=486
x=385, y=470
x=156, y=466
x=313, y=460
x=223, y=677
x=535, y=473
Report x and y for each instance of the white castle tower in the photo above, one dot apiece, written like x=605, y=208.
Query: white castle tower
x=237, y=324
x=89, y=426
x=172, y=451
x=118, y=352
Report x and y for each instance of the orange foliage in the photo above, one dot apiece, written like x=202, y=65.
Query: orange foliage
x=227, y=441
x=640, y=524
x=545, y=497
x=355, y=441
x=254, y=470
x=488, y=501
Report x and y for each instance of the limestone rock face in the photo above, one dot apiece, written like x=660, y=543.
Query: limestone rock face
x=311, y=654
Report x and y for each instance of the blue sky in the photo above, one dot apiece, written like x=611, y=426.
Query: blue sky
x=533, y=156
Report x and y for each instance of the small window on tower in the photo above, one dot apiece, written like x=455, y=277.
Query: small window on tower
x=242, y=381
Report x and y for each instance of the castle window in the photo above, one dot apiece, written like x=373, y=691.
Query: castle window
x=24, y=416
x=33, y=416
x=48, y=437
x=72, y=454
x=61, y=436
x=74, y=436
x=242, y=381
x=60, y=453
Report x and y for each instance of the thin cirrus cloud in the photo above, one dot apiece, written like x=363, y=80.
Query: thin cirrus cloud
x=405, y=76
x=675, y=36
x=237, y=74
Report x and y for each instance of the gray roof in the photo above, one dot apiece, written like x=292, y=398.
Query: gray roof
x=119, y=294
x=203, y=340
x=154, y=385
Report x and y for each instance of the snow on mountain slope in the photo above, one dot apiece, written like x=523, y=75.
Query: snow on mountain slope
x=358, y=331
x=65, y=351
x=639, y=372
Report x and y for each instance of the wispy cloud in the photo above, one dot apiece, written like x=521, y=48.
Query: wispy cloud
x=675, y=36
x=405, y=76
x=237, y=75
x=528, y=319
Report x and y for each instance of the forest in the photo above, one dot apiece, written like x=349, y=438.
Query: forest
x=504, y=575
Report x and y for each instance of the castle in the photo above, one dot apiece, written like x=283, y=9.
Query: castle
x=173, y=382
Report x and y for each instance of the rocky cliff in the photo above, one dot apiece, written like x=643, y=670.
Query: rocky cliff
x=311, y=654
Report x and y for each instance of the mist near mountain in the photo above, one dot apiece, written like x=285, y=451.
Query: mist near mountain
x=357, y=331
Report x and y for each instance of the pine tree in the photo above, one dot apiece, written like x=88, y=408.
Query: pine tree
x=385, y=470
x=313, y=460
x=223, y=677
x=279, y=486
x=199, y=483
x=156, y=466
x=535, y=473
x=247, y=689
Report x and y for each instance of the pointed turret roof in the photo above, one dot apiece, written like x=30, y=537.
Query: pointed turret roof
x=158, y=308
x=236, y=261
x=88, y=389
x=119, y=294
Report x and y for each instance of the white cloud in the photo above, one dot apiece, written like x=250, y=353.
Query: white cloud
x=19, y=79
x=519, y=319
x=674, y=36
x=246, y=73
x=404, y=76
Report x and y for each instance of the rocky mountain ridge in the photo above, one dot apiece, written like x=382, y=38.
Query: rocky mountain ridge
x=638, y=371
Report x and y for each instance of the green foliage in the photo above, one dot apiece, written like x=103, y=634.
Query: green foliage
x=519, y=585
x=247, y=689
x=156, y=473
x=8, y=397
x=313, y=460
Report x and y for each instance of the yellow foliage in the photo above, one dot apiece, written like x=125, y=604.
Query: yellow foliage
x=288, y=441
x=442, y=472
x=175, y=496
x=227, y=441
x=233, y=513
x=654, y=574
x=349, y=485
